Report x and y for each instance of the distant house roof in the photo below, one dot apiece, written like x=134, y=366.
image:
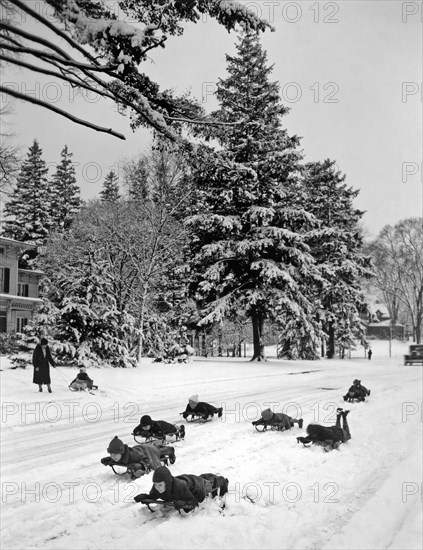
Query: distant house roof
x=373, y=308
x=385, y=323
x=32, y=271
x=5, y=240
x=16, y=298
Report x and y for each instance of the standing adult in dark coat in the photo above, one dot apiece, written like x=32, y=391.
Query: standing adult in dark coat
x=42, y=359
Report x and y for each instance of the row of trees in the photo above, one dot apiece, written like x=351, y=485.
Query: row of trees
x=247, y=230
x=39, y=205
x=397, y=255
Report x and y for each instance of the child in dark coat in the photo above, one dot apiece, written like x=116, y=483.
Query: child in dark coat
x=280, y=420
x=82, y=381
x=357, y=391
x=140, y=459
x=200, y=408
x=185, y=490
x=330, y=437
x=157, y=428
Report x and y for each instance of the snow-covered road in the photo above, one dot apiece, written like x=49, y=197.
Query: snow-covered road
x=56, y=494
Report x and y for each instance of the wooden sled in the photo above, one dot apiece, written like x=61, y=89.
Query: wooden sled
x=263, y=426
x=201, y=418
x=328, y=445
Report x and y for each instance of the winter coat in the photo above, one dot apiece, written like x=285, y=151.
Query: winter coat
x=357, y=391
x=158, y=428
x=280, y=419
x=201, y=408
x=316, y=432
x=144, y=456
x=82, y=381
x=42, y=365
x=188, y=488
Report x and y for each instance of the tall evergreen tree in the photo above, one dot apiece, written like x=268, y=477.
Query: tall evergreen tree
x=66, y=201
x=337, y=248
x=248, y=237
x=110, y=191
x=29, y=208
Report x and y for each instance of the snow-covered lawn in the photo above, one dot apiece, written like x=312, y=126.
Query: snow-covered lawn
x=56, y=494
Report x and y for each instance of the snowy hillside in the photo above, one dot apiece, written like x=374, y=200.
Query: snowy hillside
x=57, y=495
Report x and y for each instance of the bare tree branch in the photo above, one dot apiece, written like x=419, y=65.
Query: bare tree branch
x=61, y=112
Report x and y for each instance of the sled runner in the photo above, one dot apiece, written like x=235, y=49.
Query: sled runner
x=149, y=439
x=262, y=426
x=350, y=399
x=159, y=440
x=165, y=504
x=121, y=469
x=328, y=445
x=88, y=389
x=197, y=417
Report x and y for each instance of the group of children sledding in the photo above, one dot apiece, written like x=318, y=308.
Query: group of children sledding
x=183, y=492
x=186, y=491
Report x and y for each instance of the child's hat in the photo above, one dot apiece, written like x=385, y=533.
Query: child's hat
x=356, y=381
x=146, y=420
x=162, y=474
x=82, y=369
x=194, y=398
x=267, y=414
x=116, y=446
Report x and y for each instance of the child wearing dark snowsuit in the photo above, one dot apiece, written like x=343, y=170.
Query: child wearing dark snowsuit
x=357, y=391
x=82, y=381
x=330, y=437
x=157, y=428
x=280, y=420
x=200, y=408
x=140, y=459
x=186, y=490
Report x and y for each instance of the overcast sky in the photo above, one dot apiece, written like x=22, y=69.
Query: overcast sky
x=351, y=72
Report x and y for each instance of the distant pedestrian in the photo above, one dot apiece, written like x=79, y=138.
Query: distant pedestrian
x=369, y=354
x=42, y=359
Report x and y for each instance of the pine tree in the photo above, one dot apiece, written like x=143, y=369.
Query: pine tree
x=248, y=237
x=66, y=201
x=337, y=248
x=29, y=208
x=135, y=174
x=110, y=192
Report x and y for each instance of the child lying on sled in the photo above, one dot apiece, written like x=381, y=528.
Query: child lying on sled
x=139, y=459
x=329, y=437
x=157, y=428
x=185, y=491
x=357, y=391
x=196, y=407
x=279, y=420
x=82, y=381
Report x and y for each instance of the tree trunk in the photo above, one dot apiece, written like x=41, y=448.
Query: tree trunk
x=258, y=345
x=331, y=341
x=418, y=329
x=141, y=338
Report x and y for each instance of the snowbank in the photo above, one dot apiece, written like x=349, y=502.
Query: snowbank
x=57, y=495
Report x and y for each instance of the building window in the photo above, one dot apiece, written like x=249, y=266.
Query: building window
x=4, y=279
x=3, y=321
x=21, y=322
x=23, y=289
